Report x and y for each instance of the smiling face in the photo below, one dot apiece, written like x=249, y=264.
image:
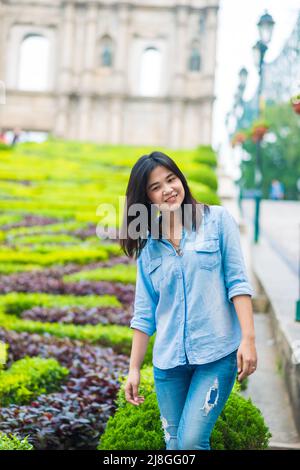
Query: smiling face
x=164, y=189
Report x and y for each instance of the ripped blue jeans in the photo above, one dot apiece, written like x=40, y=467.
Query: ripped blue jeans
x=191, y=398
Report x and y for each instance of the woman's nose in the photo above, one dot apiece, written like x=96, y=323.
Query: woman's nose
x=167, y=190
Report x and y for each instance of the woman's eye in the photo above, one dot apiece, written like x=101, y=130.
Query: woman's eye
x=171, y=179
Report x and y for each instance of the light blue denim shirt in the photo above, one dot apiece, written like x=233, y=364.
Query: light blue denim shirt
x=187, y=299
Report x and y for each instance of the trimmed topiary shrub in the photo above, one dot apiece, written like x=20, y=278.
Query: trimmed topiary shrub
x=135, y=427
x=240, y=425
x=205, y=154
x=12, y=442
x=203, y=174
x=28, y=378
x=3, y=353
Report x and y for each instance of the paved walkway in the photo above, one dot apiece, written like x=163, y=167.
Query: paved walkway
x=280, y=226
x=266, y=386
x=267, y=390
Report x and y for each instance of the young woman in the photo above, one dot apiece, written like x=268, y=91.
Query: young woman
x=192, y=290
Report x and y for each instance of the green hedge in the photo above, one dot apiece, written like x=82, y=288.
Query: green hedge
x=12, y=442
x=203, y=174
x=117, y=337
x=41, y=229
x=28, y=378
x=118, y=273
x=240, y=425
x=205, y=154
x=17, y=302
x=75, y=255
x=12, y=268
x=45, y=239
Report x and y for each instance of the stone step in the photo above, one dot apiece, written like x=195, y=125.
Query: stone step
x=273, y=445
x=267, y=388
x=260, y=303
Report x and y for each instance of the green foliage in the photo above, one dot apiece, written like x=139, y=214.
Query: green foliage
x=11, y=268
x=9, y=218
x=28, y=378
x=3, y=353
x=40, y=238
x=204, y=194
x=295, y=99
x=115, y=336
x=279, y=151
x=12, y=442
x=205, y=154
x=42, y=229
x=3, y=147
x=61, y=172
x=261, y=123
x=244, y=384
x=240, y=425
x=134, y=427
x=54, y=256
x=17, y=302
x=203, y=174
x=117, y=273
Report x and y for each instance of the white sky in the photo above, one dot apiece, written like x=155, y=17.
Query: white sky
x=237, y=33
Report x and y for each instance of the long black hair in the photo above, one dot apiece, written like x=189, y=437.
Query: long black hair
x=136, y=193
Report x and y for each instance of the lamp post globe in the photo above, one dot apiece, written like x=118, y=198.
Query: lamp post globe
x=265, y=27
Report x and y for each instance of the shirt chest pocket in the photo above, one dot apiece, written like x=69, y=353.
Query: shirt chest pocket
x=208, y=254
x=156, y=271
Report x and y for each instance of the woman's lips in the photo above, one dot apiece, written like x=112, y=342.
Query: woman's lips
x=172, y=198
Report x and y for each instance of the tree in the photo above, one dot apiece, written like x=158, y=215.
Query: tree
x=280, y=151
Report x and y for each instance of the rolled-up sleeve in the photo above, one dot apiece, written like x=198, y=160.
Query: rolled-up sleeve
x=235, y=275
x=145, y=301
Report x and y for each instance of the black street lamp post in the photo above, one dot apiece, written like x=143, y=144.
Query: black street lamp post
x=265, y=28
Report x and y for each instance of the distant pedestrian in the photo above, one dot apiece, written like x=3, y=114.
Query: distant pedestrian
x=3, y=139
x=16, y=136
x=276, y=190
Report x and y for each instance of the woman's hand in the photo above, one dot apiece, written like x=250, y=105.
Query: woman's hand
x=246, y=358
x=131, y=387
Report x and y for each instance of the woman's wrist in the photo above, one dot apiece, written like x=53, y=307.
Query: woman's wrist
x=248, y=337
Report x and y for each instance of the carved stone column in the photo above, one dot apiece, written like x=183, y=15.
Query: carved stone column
x=121, y=50
x=180, y=49
x=84, y=118
x=61, y=121
x=3, y=33
x=211, y=40
x=67, y=32
x=175, y=136
x=67, y=51
x=90, y=48
x=115, y=116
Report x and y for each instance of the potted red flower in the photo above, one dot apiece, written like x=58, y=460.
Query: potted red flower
x=259, y=129
x=239, y=138
x=295, y=101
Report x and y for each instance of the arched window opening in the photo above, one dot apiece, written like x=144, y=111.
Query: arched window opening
x=34, y=63
x=194, y=64
x=150, y=72
x=106, y=52
x=202, y=22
